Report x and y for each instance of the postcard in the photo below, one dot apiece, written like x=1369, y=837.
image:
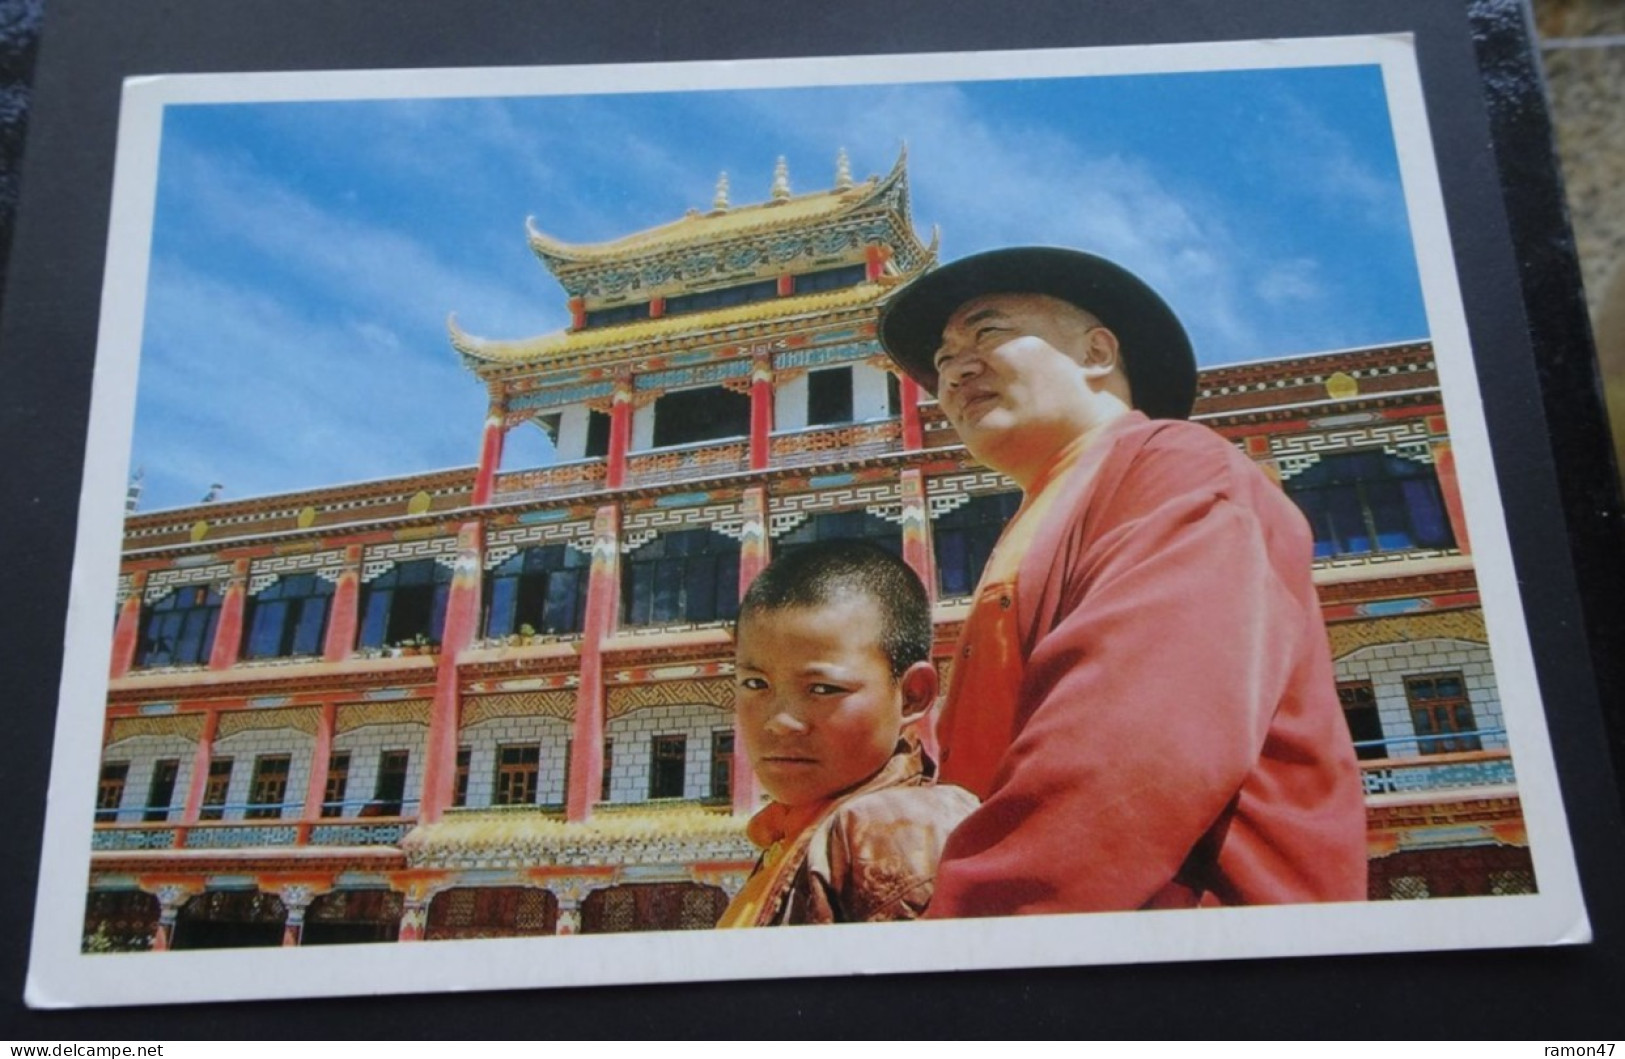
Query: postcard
x=441, y=417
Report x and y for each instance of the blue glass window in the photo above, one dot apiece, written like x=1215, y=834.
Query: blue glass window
x=1358, y=503
x=406, y=601
x=287, y=618
x=544, y=587
x=179, y=628
x=964, y=538
x=682, y=576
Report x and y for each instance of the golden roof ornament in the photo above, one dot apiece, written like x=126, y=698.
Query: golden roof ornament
x=720, y=203
x=781, y=181
x=843, y=171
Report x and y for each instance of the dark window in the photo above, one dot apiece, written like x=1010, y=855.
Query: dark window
x=178, y=630
x=406, y=601
x=843, y=526
x=829, y=396
x=459, y=789
x=685, y=575
x=162, y=790
x=287, y=618
x=544, y=588
x=214, y=791
x=964, y=538
x=269, y=787
x=667, y=757
x=617, y=314
x=743, y=294
x=830, y=279
x=388, y=795
x=894, y=396
x=722, y=764
x=1363, y=502
x=517, y=769
x=1365, y=725
x=709, y=413
x=597, y=434
x=1441, y=713
x=110, y=790
x=338, y=783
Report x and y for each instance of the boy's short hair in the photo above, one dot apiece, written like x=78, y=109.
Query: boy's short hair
x=822, y=572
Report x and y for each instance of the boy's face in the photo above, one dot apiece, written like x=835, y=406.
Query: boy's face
x=818, y=706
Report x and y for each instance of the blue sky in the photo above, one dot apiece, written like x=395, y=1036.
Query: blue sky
x=305, y=255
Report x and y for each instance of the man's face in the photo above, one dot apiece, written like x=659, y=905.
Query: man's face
x=818, y=706
x=1011, y=378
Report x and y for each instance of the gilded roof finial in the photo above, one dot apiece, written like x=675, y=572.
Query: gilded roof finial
x=843, y=171
x=781, y=180
x=720, y=203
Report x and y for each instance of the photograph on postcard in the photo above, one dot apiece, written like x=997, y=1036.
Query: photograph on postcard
x=465, y=407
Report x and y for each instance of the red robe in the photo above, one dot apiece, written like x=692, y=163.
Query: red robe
x=1148, y=710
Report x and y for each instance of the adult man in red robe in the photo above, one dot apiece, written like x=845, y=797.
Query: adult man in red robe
x=1143, y=693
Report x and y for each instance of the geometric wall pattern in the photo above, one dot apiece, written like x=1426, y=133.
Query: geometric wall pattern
x=306, y=720
x=1347, y=636
x=479, y=708
x=186, y=725
x=360, y=714
x=718, y=692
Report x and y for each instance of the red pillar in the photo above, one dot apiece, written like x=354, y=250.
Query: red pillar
x=200, y=775
x=917, y=529
x=620, y=433
x=754, y=552
x=913, y=433
x=761, y=412
x=657, y=307
x=321, y=755
x=128, y=630
x=341, y=623
x=603, y=595
x=490, y=455
x=578, y=313
x=228, y=632
x=1444, y=464
x=462, y=614
x=787, y=285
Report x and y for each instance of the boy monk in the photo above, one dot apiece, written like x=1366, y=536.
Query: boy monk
x=833, y=662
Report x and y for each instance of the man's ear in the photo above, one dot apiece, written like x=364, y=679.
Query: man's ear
x=1100, y=353
x=919, y=684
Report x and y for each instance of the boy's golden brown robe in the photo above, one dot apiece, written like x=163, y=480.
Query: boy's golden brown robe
x=864, y=856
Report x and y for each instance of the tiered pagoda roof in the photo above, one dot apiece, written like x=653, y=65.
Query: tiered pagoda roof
x=707, y=251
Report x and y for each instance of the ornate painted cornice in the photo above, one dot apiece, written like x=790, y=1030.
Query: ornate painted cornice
x=733, y=243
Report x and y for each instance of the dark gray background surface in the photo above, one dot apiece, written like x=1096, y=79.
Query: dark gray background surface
x=1521, y=287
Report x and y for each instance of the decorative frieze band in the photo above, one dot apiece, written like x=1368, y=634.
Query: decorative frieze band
x=263, y=572
x=305, y=719
x=161, y=583
x=699, y=375
x=381, y=557
x=1296, y=453
x=188, y=726
x=952, y=491
x=641, y=527
x=501, y=545
x=843, y=499
x=560, y=704
x=558, y=397
x=717, y=692
x=818, y=356
x=401, y=711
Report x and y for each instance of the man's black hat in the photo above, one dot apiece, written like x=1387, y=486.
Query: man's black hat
x=1156, y=351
